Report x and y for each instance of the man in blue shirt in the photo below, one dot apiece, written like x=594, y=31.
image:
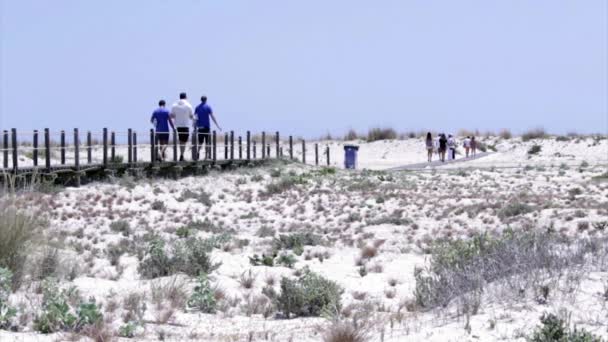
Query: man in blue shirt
x=202, y=114
x=161, y=121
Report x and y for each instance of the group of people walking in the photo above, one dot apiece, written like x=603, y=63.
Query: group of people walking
x=181, y=118
x=442, y=145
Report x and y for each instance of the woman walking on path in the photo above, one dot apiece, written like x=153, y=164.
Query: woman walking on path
x=442, y=147
x=451, y=147
x=467, y=145
x=473, y=146
x=429, y=146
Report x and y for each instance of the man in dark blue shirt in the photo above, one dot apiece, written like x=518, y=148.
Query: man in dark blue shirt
x=202, y=114
x=161, y=121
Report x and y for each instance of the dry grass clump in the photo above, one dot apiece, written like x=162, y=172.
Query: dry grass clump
x=505, y=134
x=344, y=332
x=368, y=252
x=376, y=134
x=247, y=279
x=20, y=231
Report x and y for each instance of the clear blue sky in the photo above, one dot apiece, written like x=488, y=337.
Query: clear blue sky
x=308, y=67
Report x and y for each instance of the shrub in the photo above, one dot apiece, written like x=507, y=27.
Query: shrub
x=514, y=208
x=203, y=298
x=56, y=314
x=127, y=330
x=7, y=313
x=535, y=149
x=284, y=184
x=537, y=133
x=309, y=295
x=158, y=205
x=265, y=260
x=505, y=134
x=121, y=226
x=156, y=262
x=287, y=259
x=118, y=159
x=553, y=328
x=19, y=231
x=190, y=256
x=48, y=263
x=199, y=195
x=265, y=231
x=296, y=242
x=466, y=267
x=376, y=134
x=351, y=135
x=344, y=332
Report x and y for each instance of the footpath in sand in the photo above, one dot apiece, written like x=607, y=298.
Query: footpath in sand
x=437, y=163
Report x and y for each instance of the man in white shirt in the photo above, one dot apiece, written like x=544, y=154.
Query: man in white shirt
x=182, y=114
x=467, y=145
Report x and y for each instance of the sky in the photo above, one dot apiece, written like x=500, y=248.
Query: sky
x=307, y=67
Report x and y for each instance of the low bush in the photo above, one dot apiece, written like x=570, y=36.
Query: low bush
x=190, y=256
x=7, y=313
x=553, y=328
x=537, y=133
x=158, y=205
x=462, y=269
x=284, y=184
x=309, y=295
x=203, y=298
x=20, y=231
x=514, y=208
x=121, y=226
x=351, y=135
x=198, y=195
x=535, y=149
x=505, y=134
x=376, y=134
x=344, y=332
x=296, y=242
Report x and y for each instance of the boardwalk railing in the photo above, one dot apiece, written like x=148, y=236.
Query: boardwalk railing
x=55, y=151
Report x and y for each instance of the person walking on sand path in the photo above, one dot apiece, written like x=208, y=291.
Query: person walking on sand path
x=429, y=146
x=473, y=146
x=202, y=113
x=467, y=145
x=442, y=147
x=182, y=114
x=161, y=121
x=451, y=147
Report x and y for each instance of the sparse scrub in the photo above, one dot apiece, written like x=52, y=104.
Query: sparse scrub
x=7, y=313
x=309, y=295
x=537, y=133
x=344, y=332
x=376, y=134
x=198, y=195
x=351, y=135
x=121, y=226
x=505, y=134
x=514, y=208
x=535, y=149
x=158, y=205
x=284, y=184
x=553, y=328
x=20, y=231
x=466, y=267
x=203, y=298
x=296, y=242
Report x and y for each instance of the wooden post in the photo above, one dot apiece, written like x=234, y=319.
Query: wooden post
x=316, y=154
x=113, y=147
x=290, y=147
x=175, y=145
x=152, y=147
x=231, y=145
x=195, y=143
x=240, y=148
x=281, y=150
x=5, y=148
x=327, y=151
x=248, y=145
x=268, y=151
x=62, y=142
x=47, y=149
x=278, y=144
x=35, y=145
x=214, y=156
x=303, y=151
x=89, y=148
x=105, y=147
x=254, y=150
x=14, y=145
x=76, y=150
x=134, y=147
x=263, y=145
x=129, y=146
x=226, y=146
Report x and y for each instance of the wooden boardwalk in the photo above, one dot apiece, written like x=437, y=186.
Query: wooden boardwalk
x=93, y=155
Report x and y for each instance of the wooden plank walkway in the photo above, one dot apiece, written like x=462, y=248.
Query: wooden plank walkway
x=437, y=163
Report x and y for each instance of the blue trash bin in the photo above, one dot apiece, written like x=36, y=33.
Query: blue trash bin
x=350, y=156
